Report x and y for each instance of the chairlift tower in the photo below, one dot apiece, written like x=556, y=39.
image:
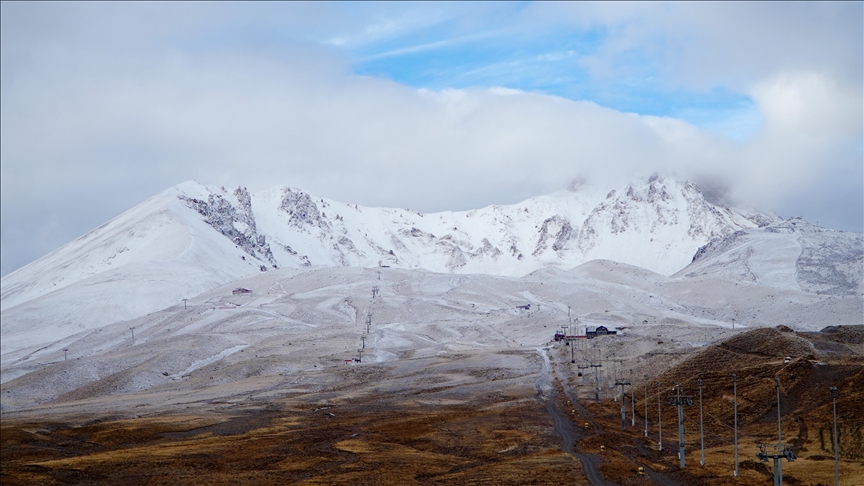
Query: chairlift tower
x=645, y=377
x=622, y=384
x=780, y=452
x=701, y=429
x=836, y=449
x=778, y=455
x=632, y=402
x=596, y=367
x=368, y=323
x=735, y=412
x=659, y=419
x=680, y=402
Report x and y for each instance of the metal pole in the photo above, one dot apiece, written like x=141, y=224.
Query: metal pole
x=735, y=401
x=632, y=401
x=836, y=449
x=680, y=426
x=67, y=349
x=596, y=377
x=778, y=470
x=623, y=409
x=701, y=430
x=659, y=419
x=646, y=404
x=133, y=334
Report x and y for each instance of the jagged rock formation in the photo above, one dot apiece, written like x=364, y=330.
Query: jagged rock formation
x=657, y=224
x=237, y=223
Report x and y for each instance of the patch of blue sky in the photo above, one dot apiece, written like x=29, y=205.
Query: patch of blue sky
x=552, y=63
x=504, y=57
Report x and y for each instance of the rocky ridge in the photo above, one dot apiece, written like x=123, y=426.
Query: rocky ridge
x=656, y=224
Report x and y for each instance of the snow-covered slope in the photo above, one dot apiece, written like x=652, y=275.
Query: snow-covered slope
x=193, y=238
x=790, y=254
x=657, y=224
x=141, y=261
x=297, y=326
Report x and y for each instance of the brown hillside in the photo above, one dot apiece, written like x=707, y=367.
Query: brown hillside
x=757, y=357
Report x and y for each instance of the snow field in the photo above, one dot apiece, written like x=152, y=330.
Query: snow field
x=300, y=326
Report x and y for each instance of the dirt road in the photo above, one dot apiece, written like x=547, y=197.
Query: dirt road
x=564, y=426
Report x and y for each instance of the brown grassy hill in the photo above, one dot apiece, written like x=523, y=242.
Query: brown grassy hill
x=757, y=357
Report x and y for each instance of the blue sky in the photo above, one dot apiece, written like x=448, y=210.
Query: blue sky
x=550, y=62
x=432, y=106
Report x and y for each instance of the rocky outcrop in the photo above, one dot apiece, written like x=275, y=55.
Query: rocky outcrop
x=236, y=223
x=302, y=210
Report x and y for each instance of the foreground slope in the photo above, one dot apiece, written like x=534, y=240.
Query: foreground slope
x=453, y=376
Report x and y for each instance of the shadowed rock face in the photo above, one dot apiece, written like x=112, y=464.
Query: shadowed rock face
x=235, y=223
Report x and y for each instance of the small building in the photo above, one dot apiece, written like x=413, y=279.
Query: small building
x=241, y=290
x=599, y=331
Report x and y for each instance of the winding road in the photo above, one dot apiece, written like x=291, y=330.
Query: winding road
x=564, y=427
x=569, y=435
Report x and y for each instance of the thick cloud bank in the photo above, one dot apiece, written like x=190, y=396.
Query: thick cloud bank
x=98, y=115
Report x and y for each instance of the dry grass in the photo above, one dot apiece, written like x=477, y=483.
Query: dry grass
x=510, y=443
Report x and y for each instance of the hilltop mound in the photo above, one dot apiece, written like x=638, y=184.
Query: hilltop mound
x=818, y=361
x=780, y=341
x=844, y=334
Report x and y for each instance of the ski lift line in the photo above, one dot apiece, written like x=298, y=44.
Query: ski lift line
x=730, y=428
x=711, y=433
x=723, y=439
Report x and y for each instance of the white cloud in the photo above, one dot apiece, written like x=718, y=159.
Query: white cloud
x=92, y=127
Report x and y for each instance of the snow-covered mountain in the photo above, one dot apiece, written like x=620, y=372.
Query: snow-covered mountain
x=656, y=224
x=193, y=238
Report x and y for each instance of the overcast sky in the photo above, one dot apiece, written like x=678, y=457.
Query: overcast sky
x=423, y=105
